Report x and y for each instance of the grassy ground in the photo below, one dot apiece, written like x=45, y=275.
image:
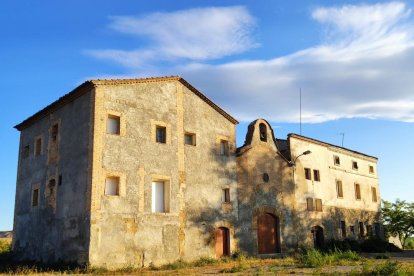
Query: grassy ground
x=310, y=263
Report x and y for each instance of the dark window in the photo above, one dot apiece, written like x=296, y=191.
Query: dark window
x=113, y=125
x=265, y=177
x=309, y=202
x=35, y=197
x=352, y=229
x=371, y=169
x=369, y=230
x=226, y=195
x=361, y=229
x=26, y=152
x=354, y=165
x=318, y=203
x=377, y=229
x=316, y=175
x=224, y=147
x=263, y=132
x=357, y=191
x=38, y=146
x=308, y=175
x=374, y=194
x=337, y=161
x=60, y=180
x=343, y=229
x=189, y=139
x=161, y=134
x=339, y=190
x=55, y=132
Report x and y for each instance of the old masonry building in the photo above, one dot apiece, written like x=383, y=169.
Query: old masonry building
x=146, y=171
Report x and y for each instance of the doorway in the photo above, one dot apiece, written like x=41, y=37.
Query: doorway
x=267, y=234
x=318, y=238
x=222, y=235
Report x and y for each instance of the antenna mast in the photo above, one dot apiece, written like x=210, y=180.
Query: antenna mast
x=300, y=111
x=343, y=137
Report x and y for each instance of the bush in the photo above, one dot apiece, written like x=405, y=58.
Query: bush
x=378, y=246
x=386, y=269
x=410, y=244
x=316, y=258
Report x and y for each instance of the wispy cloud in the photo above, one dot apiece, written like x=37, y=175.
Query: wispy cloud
x=363, y=68
x=194, y=34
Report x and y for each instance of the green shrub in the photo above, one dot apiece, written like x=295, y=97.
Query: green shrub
x=316, y=258
x=410, y=244
x=386, y=269
x=378, y=246
x=180, y=264
x=204, y=261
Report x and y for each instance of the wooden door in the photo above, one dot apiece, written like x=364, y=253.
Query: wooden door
x=267, y=234
x=222, y=235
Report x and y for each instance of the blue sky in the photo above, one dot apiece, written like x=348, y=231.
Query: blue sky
x=352, y=60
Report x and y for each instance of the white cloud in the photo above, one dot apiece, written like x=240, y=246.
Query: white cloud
x=362, y=69
x=194, y=34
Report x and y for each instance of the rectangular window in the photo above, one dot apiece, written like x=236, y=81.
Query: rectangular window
x=224, y=147
x=309, y=202
x=352, y=230
x=113, y=125
x=112, y=186
x=308, y=175
x=357, y=191
x=38, y=147
x=361, y=229
x=369, y=230
x=343, y=229
x=35, y=197
x=189, y=139
x=374, y=194
x=161, y=134
x=371, y=169
x=354, y=165
x=55, y=132
x=316, y=175
x=226, y=195
x=26, y=152
x=60, y=180
x=337, y=161
x=160, y=197
x=318, y=203
x=339, y=190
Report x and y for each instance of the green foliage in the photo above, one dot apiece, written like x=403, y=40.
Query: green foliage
x=409, y=244
x=389, y=268
x=316, y=258
x=399, y=219
x=206, y=261
x=378, y=246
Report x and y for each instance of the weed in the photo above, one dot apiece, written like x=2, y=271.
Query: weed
x=316, y=258
x=389, y=268
x=204, y=261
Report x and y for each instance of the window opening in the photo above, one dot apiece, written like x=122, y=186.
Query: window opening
x=263, y=132
x=113, y=125
x=112, y=186
x=161, y=134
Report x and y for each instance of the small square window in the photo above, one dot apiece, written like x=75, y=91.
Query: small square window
x=371, y=169
x=113, y=125
x=318, y=203
x=112, y=186
x=38, y=147
x=224, y=147
x=354, y=165
x=161, y=134
x=316, y=175
x=55, y=132
x=337, y=161
x=190, y=139
x=35, y=197
x=26, y=152
x=226, y=195
x=308, y=175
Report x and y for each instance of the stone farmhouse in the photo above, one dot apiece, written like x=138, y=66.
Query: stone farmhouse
x=146, y=171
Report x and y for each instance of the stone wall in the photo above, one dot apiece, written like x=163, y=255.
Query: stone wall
x=58, y=228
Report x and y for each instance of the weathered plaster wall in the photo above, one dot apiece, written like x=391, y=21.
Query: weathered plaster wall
x=334, y=209
x=124, y=231
x=59, y=230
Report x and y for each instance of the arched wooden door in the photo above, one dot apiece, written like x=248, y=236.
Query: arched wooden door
x=222, y=235
x=267, y=234
x=318, y=237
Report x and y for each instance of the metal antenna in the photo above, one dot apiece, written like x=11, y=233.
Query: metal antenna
x=343, y=137
x=300, y=111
